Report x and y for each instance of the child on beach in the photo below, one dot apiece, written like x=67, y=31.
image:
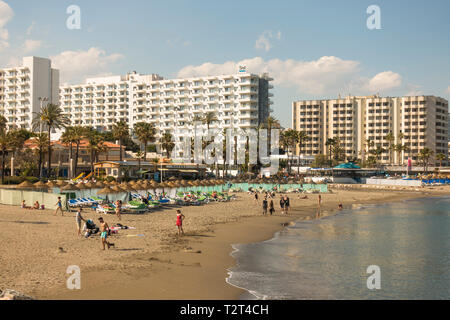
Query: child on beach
x=59, y=207
x=271, y=207
x=104, y=229
x=180, y=218
x=118, y=208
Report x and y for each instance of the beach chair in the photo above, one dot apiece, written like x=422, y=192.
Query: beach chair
x=74, y=203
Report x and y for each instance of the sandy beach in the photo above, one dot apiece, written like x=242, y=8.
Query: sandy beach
x=37, y=247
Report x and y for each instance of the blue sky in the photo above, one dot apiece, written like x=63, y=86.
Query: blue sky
x=313, y=49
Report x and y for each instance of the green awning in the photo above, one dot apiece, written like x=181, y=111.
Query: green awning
x=348, y=165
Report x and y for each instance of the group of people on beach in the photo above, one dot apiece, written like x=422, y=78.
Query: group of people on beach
x=269, y=206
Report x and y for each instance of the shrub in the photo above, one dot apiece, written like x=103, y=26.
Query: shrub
x=110, y=179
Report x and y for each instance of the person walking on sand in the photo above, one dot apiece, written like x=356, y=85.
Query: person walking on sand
x=180, y=218
x=319, y=202
x=78, y=219
x=256, y=197
x=104, y=229
x=264, y=206
x=59, y=207
x=118, y=209
x=271, y=207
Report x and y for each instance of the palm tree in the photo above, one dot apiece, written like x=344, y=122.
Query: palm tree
x=377, y=152
x=441, y=157
x=288, y=140
x=139, y=156
x=78, y=133
x=68, y=138
x=195, y=120
x=17, y=140
x=390, y=139
x=120, y=131
x=52, y=116
x=330, y=143
x=145, y=132
x=269, y=124
x=398, y=148
x=5, y=143
x=209, y=118
x=424, y=156
x=301, y=138
x=167, y=144
x=368, y=145
x=96, y=145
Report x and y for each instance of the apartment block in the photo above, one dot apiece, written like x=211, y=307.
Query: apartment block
x=22, y=87
x=415, y=121
x=240, y=100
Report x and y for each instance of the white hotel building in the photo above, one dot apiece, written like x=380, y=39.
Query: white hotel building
x=240, y=100
x=423, y=121
x=22, y=87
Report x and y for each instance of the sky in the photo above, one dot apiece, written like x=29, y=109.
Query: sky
x=313, y=49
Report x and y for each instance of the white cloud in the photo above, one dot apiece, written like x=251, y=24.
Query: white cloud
x=76, y=66
x=314, y=77
x=6, y=14
x=263, y=41
x=327, y=75
x=31, y=45
x=386, y=80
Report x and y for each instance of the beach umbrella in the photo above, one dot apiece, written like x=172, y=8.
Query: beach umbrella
x=89, y=185
x=61, y=183
x=81, y=186
x=70, y=187
x=105, y=190
x=99, y=185
x=118, y=189
x=40, y=185
x=51, y=184
x=26, y=184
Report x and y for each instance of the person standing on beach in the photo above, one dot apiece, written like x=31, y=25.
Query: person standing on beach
x=180, y=218
x=319, y=202
x=271, y=207
x=104, y=229
x=78, y=219
x=256, y=197
x=282, y=204
x=287, y=204
x=118, y=209
x=264, y=205
x=59, y=207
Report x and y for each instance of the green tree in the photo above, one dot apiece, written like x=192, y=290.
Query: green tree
x=52, y=117
x=390, y=138
x=209, y=118
x=424, y=156
x=330, y=143
x=5, y=144
x=95, y=145
x=441, y=157
x=378, y=152
x=167, y=144
x=145, y=133
x=120, y=131
x=302, y=137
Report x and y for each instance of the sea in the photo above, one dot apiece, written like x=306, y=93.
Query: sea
x=393, y=251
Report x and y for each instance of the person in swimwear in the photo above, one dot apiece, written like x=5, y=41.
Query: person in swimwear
x=104, y=228
x=180, y=218
x=59, y=207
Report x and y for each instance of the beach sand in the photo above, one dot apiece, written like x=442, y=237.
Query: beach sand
x=37, y=247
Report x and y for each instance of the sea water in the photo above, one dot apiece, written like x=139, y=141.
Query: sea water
x=328, y=258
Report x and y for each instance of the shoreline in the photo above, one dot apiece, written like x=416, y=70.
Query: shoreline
x=196, y=267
